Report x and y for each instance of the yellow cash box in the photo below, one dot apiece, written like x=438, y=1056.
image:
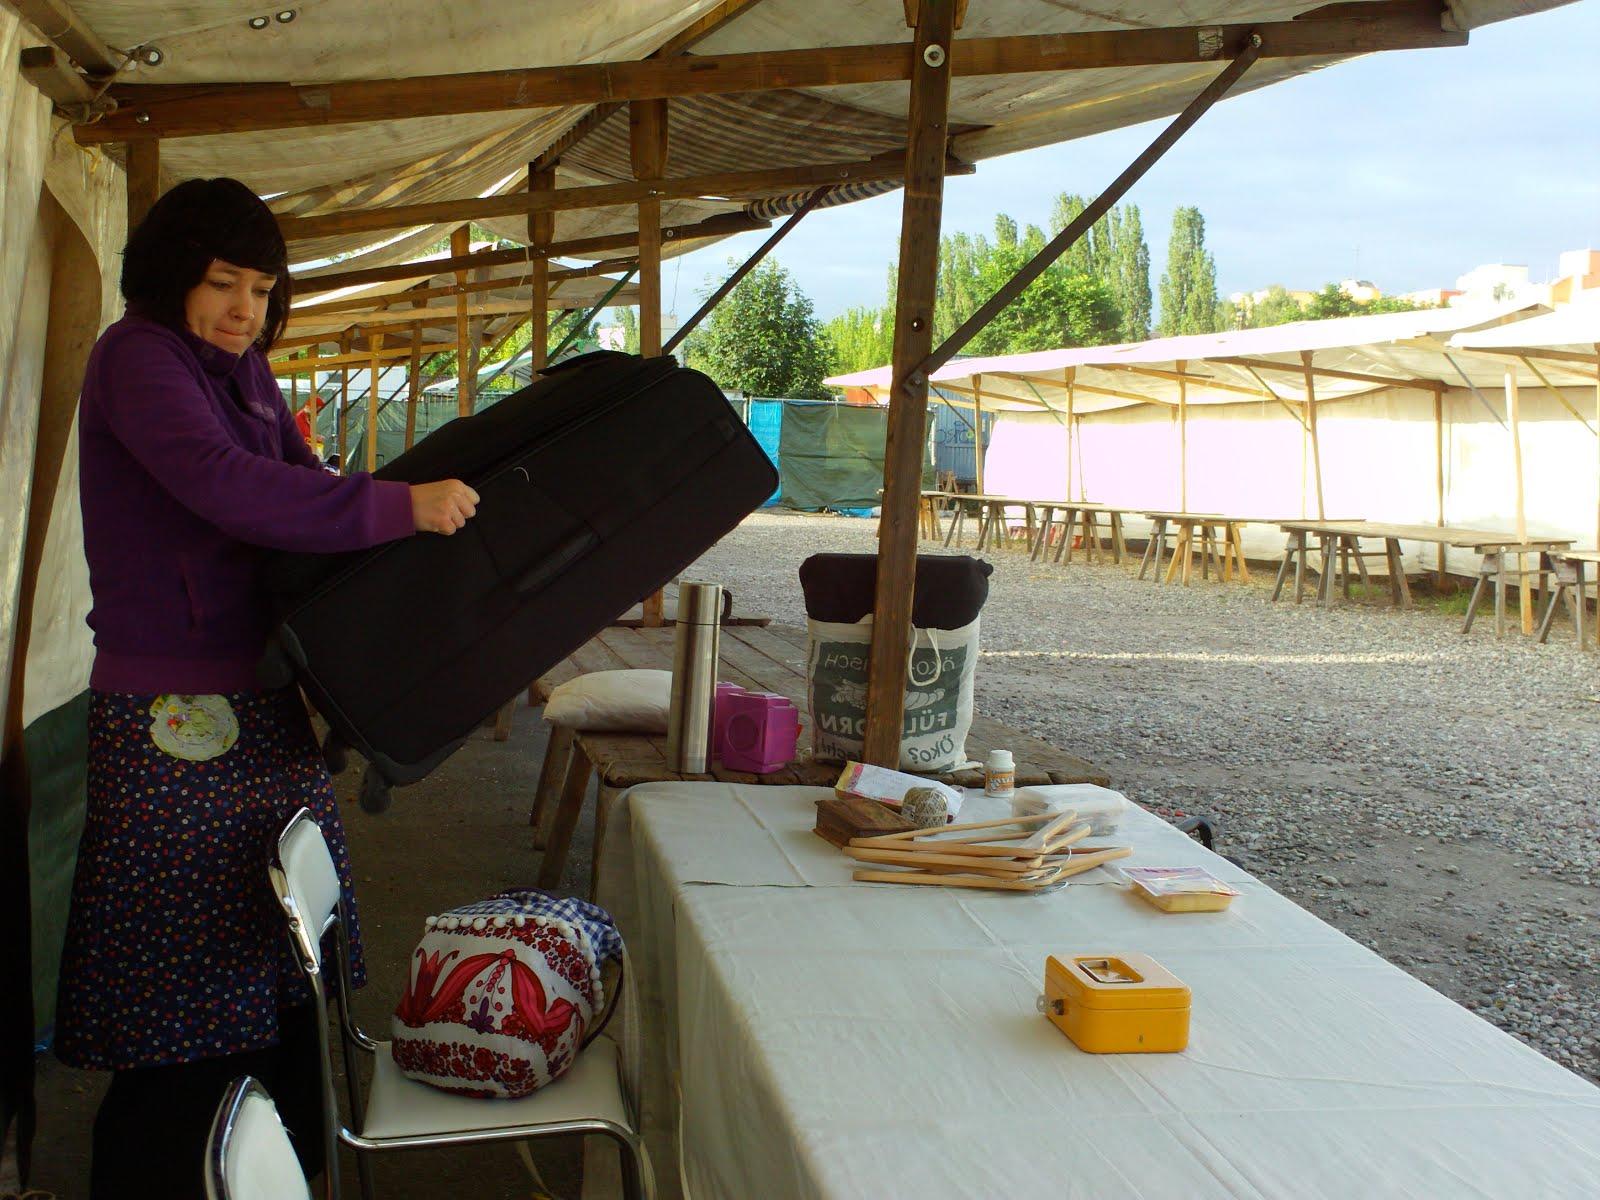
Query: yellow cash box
x=1117, y=1003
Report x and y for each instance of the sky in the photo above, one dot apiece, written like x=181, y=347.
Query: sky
x=1407, y=168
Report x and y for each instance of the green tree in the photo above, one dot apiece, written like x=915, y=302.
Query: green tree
x=1189, y=286
x=1060, y=308
x=628, y=320
x=859, y=339
x=1334, y=301
x=1277, y=307
x=764, y=339
x=1127, y=270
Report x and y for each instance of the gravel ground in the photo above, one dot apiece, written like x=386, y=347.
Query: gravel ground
x=1431, y=795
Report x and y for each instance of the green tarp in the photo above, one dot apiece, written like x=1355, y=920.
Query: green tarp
x=831, y=456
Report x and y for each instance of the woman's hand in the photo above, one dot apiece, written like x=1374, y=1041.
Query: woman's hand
x=442, y=507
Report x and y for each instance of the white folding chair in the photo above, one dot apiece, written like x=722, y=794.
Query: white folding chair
x=397, y=1113
x=248, y=1155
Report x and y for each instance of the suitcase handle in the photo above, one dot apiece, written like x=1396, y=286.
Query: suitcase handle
x=548, y=566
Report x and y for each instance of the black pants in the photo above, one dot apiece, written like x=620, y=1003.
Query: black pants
x=150, y=1134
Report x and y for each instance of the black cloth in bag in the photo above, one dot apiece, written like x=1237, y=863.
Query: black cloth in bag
x=949, y=593
x=598, y=483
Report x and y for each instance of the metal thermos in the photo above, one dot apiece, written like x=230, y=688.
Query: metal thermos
x=694, y=676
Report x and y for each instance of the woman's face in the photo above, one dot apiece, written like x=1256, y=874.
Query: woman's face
x=228, y=306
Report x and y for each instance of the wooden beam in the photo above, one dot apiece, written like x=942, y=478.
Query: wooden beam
x=1438, y=457
x=647, y=147
x=304, y=366
x=372, y=303
x=1543, y=354
x=373, y=343
x=63, y=28
x=1514, y=415
x=1263, y=364
x=720, y=225
x=405, y=316
x=1205, y=381
x=905, y=441
x=460, y=243
x=1249, y=50
x=647, y=150
x=1089, y=389
x=413, y=385
x=726, y=185
x=541, y=232
x=977, y=433
x=744, y=269
x=1556, y=392
x=144, y=180
x=1183, y=441
x=344, y=403
x=1311, y=425
x=49, y=70
x=199, y=109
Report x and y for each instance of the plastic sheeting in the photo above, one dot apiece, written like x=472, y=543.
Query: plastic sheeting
x=830, y=456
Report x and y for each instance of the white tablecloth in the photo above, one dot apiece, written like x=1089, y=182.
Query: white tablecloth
x=834, y=1039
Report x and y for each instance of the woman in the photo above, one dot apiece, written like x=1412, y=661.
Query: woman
x=177, y=975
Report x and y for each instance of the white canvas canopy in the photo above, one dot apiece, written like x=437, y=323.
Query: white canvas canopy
x=1465, y=413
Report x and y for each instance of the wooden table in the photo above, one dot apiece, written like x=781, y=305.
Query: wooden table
x=1567, y=570
x=1185, y=525
x=1342, y=539
x=770, y=659
x=1083, y=516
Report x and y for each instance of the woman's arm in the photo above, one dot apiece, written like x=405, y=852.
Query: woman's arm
x=145, y=389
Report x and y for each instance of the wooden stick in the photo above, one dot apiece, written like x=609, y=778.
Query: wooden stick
x=907, y=834
x=964, y=881
x=908, y=858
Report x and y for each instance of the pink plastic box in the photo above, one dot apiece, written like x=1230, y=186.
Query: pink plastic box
x=754, y=731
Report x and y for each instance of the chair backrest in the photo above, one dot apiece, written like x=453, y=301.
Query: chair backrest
x=307, y=883
x=248, y=1155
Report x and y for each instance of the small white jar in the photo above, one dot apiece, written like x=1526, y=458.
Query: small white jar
x=999, y=775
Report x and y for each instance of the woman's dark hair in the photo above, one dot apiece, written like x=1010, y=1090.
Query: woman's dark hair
x=169, y=251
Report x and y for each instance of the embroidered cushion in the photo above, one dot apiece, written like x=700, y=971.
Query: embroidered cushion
x=503, y=993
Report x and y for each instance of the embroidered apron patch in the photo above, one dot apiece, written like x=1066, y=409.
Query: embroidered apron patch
x=195, y=728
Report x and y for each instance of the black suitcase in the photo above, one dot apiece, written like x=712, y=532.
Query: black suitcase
x=598, y=483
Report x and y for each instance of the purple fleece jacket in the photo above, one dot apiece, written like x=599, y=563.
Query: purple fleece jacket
x=190, y=464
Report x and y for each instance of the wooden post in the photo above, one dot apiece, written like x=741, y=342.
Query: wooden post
x=977, y=433
x=1183, y=440
x=374, y=344
x=460, y=243
x=541, y=232
x=1311, y=427
x=344, y=400
x=1438, y=452
x=908, y=402
x=144, y=179
x=414, y=385
x=314, y=400
x=1072, y=384
x=647, y=145
x=1513, y=413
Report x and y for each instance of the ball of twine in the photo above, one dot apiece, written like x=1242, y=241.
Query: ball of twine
x=925, y=807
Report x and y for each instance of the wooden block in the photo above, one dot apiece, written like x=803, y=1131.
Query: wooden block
x=838, y=821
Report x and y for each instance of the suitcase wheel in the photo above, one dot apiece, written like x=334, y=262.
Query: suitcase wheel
x=335, y=753
x=375, y=795
x=274, y=670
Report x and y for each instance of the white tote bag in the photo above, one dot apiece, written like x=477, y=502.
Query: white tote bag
x=938, y=706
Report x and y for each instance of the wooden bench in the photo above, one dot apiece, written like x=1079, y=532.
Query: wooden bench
x=770, y=659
